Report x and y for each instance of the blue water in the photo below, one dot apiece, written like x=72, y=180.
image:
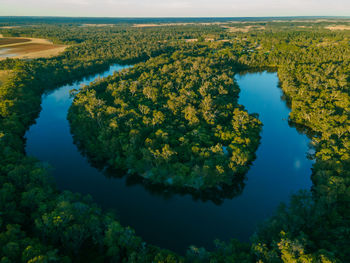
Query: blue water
x=176, y=221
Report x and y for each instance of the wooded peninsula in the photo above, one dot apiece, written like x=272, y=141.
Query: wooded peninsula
x=173, y=119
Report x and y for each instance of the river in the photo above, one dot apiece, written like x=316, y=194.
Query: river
x=175, y=221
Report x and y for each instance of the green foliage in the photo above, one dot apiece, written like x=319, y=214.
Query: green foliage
x=174, y=122
x=38, y=223
x=181, y=107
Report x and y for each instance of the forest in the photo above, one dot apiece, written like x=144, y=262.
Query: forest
x=174, y=119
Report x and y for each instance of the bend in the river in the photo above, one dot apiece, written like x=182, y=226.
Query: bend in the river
x=280, y=169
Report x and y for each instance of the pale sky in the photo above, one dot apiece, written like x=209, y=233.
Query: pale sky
x=174, y=8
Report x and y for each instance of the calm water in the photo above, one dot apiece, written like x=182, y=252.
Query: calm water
x=175, y=222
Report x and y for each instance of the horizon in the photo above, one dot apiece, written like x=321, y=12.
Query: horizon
x=160, y=17
x=175, y=9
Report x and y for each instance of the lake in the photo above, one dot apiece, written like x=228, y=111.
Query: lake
x=175, y=221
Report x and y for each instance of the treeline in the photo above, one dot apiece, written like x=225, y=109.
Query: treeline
x=38, y=20
x=40, y=224
x=99, y=36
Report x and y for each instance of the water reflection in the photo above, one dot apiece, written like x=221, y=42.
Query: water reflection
x=216, y=195
x=169, y=218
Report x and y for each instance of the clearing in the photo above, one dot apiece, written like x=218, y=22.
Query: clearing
x=244, y=29
x=19, y=47
x=11, y=40
x=179, y=24
x=97, y=25
x=338, y=27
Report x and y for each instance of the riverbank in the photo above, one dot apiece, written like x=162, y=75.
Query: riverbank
x=151, y=210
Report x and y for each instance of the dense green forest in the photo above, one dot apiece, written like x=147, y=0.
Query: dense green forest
x=179, y=105
x=172, y=120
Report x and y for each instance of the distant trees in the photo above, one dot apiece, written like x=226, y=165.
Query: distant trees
x=175, y=120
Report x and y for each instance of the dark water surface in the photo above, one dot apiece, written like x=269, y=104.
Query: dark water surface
x=175, y=222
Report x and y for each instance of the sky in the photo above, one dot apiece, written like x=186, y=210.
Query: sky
x=174, y=8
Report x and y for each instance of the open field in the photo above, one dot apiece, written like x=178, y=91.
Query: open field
x=248, y=26
x=225, y=25
x=338, y=27
x=8, y=27
x=28, y=48
x=145, y=25
x=179, y=24
x=11, y=40
x=244, y=29
x=97, y=25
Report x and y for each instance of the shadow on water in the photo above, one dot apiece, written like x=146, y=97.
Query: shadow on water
x=171, y=218
x=216, y=195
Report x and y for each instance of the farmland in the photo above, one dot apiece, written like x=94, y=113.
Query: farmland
x=11, y=40
x=28, y=48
